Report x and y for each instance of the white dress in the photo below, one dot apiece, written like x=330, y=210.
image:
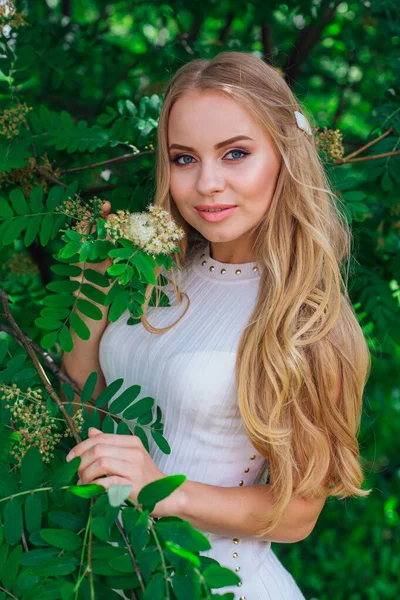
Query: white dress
x=189, y=371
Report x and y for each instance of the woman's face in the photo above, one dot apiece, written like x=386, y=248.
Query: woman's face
x=242, y=173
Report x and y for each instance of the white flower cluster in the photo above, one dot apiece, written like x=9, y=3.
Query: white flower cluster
x=154, y=231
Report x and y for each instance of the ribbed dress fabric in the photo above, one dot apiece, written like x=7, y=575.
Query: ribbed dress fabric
x=189, y=371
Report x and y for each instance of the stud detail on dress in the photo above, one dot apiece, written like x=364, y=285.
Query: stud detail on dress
x=240, y=483
x=237, y=569
x=235, y=540
x=238, y=271
x=223, y=271
x=252, y=457
x=204, y=263
x=246, y=470
x=240, y=584
x=212, y=268
x=242, y=598
x=235, y=555
x=255, y=269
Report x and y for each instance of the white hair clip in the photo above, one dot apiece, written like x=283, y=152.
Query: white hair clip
x=302, y=122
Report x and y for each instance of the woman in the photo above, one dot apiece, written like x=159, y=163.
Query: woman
x=259, y=364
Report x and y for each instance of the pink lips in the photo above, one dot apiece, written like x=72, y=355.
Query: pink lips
x=214, y=217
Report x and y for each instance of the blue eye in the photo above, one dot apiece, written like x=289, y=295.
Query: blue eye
x=175, y=160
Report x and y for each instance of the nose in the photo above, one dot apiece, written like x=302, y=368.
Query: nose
x=210, y=179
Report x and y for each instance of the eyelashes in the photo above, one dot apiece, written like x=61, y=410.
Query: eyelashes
x=175, y=160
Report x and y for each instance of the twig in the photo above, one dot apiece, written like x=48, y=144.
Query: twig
x=112, y=161
x=54, y=368
x=47, y=384
x=365, y=158
x=371, y=143
x=136, y=566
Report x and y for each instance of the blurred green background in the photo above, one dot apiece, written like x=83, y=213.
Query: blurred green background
x=74, y=73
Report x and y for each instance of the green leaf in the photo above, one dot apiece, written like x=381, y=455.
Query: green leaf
x=48, y=340
x=142, y=435
x=217, y=576
x=146, y=265
x=123, y=253
x=93, y=293
x=6, y=212
x=33, y=512
x=67, y=520
x=36, y=199
x=61, y=538
x=117, y=494
x=18, y=202
x=68, y=391
x=70, y=249
x=79, y=326
x=11, y=568
x=87, y=491
x=96, y=278
x=58, y=301
x=161, y=442
x=31, y=469
x=45, y=229
x=68, y=270
x=13, y=520
x=158, y=490
x=55, y=313
x=186, y=554
x=140, y=534
x=32, y=230
x=61, y=565
x=65, y=474
x=119, y=306
x=55, y=197
x=89, y=387
x=63, y=285
x=65, y=339
x=46, y=323
x=105, y=396
x=14, y=230
x=155, y=590
x=138, y=408
x=36, y=557
x=125, y=399
x=108, y=425
x=89, y=310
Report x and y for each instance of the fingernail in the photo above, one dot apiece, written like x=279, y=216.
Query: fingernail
x=70, y=456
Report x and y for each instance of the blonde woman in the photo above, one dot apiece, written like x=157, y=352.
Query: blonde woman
x=259, y=364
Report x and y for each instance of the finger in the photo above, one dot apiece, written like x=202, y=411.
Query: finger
x=106, y=465
x=94, y=431
x=113, y=439
x=113, y=479
x=103, y=452
x=106, y=207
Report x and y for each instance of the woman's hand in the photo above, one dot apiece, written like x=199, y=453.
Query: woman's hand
x=125, y=460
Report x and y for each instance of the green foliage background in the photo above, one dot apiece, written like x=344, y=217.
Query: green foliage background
x=81, y=85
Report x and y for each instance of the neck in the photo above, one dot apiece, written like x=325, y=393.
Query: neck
x=231, y=252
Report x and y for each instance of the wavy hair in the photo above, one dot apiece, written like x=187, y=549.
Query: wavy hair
x=302, y=361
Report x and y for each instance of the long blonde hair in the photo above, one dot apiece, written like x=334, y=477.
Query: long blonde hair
x=303, y=337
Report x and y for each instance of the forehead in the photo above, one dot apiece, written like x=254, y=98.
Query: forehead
x=209, y=115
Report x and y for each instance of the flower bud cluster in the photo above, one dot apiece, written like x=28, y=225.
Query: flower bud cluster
x=9, y=15
x=330, y=143
x=29, y=177
x=31, y=419
x=12, y=118
x=154, y=231
x=84, y=214
x=20, y=264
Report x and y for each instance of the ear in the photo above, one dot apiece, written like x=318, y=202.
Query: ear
x=93, y=431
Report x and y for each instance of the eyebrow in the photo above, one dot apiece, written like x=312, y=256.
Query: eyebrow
x=217, y=146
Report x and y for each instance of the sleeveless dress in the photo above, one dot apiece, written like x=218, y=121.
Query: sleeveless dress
x=189, y=371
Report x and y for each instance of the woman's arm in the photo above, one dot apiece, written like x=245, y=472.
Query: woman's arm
x=229, y=511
